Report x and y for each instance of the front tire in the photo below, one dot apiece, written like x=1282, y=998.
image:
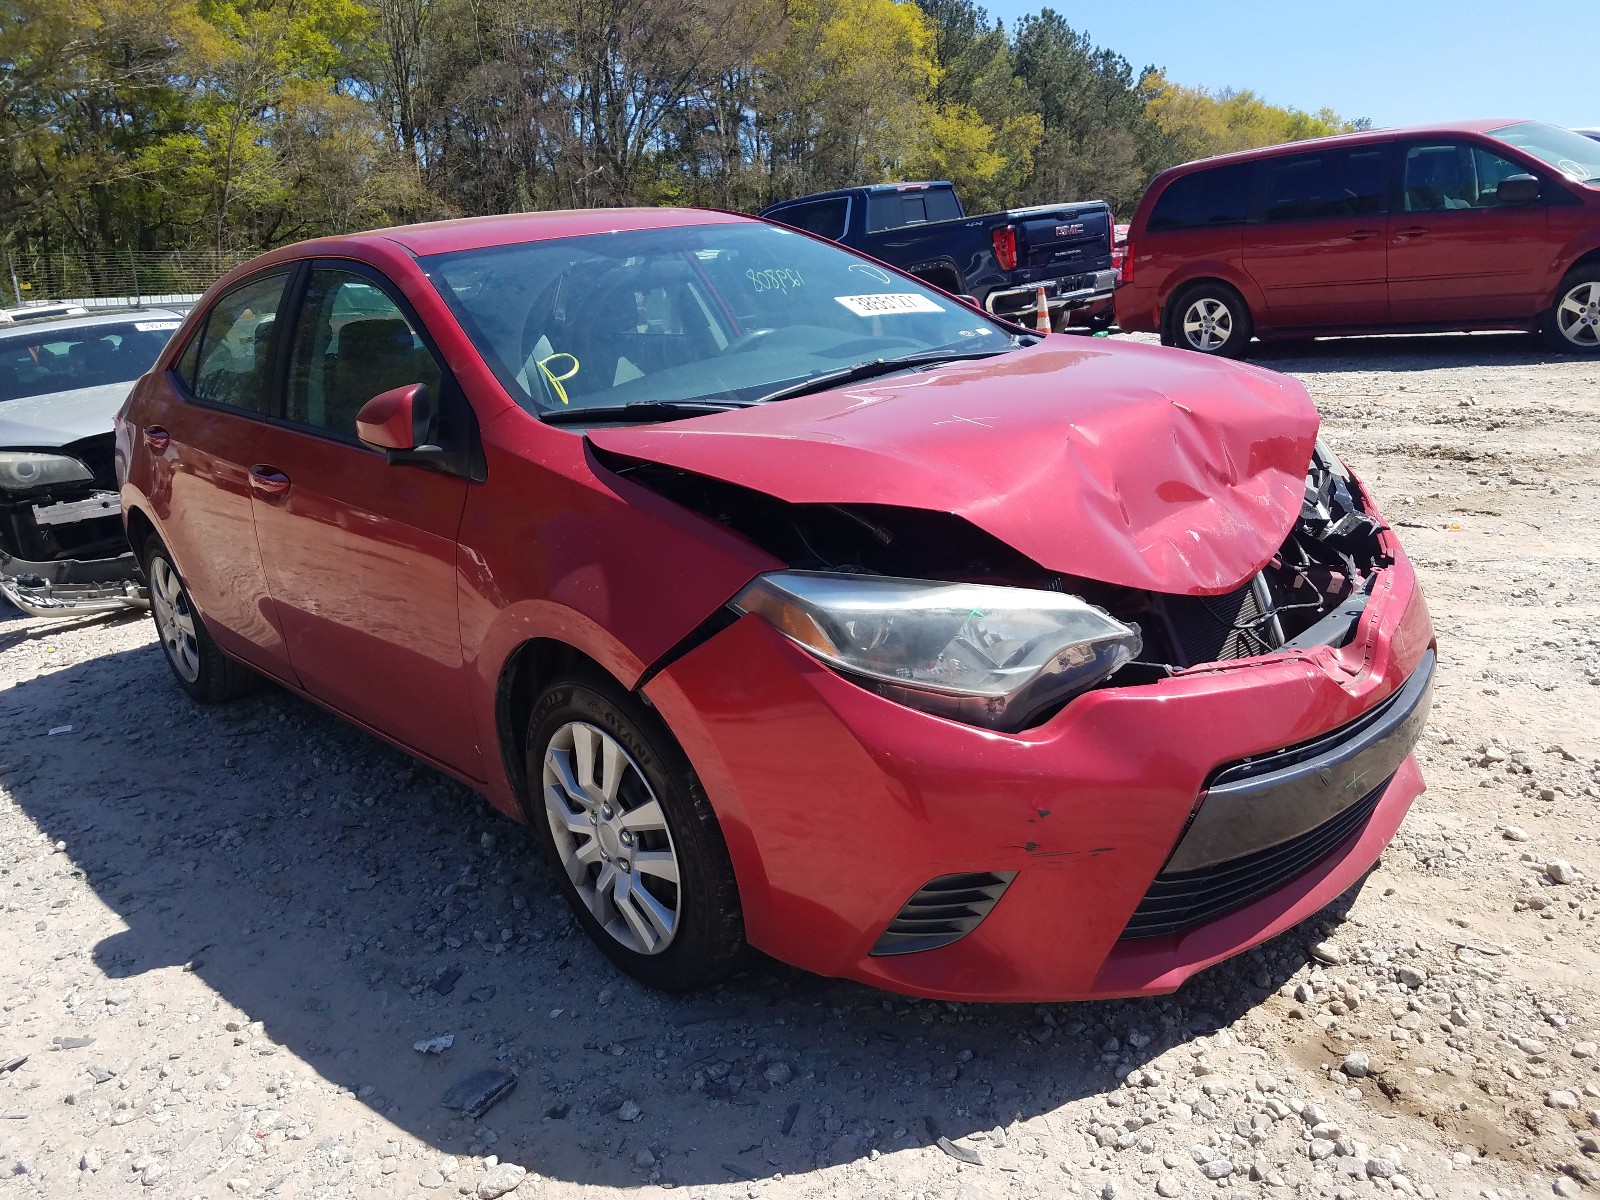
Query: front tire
x=631, y=837
x=1210, y=318
x=204, y=672
x=1572, y=323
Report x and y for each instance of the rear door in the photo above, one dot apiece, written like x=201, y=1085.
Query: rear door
x=207, y=417
x=1456, y=254
x=1316, y=245
x=361, y=555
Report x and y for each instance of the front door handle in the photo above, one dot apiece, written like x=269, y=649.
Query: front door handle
x=157, y=438
x=1362, y=235
x=1411, y=231
x=269, y=481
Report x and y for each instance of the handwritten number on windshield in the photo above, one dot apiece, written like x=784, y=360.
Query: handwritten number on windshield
x=783, y=279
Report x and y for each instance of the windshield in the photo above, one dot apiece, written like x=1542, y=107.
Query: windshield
x=43, y=361
x=708, y=312
x=1574, y=155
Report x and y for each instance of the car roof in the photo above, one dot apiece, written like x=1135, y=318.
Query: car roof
x=32, y=329
x=476, y=233
x=1359, y=138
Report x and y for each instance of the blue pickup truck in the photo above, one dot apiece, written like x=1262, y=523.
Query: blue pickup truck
x=999, y=259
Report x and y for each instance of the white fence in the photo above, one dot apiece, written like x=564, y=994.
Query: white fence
x=122, y=280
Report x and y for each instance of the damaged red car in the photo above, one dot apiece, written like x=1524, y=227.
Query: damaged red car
x=798, y=605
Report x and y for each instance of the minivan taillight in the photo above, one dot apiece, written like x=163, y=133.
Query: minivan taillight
x=1005, y=247
x=1125, y=275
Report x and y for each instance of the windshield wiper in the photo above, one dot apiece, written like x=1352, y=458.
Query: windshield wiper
x=636, y=410
x=872, y=368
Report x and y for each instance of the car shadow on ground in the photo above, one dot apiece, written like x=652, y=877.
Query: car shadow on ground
x=1404, y=352
x=355, y=902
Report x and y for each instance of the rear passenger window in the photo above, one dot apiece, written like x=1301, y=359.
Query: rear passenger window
x=1310, y=187
x=824, y=218
x=1219, y=196
x=352, y=343
x=895, y=210
x=234, y=366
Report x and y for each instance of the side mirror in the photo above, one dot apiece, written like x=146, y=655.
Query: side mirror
x=1518, y=189
x=399, y=419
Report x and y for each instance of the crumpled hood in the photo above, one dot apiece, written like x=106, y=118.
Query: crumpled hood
x=41, y=422
x=1124, y=463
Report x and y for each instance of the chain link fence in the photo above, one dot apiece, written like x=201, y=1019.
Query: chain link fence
x=115, y=280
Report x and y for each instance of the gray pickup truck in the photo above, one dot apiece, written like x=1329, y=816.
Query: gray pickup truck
x=1000, y=259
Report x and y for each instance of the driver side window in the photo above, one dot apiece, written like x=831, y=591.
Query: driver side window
x=351, y=343
x=1445, y=177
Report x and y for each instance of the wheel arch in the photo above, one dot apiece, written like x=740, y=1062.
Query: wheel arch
x=941, y=273
x=140, y=528
x=1211, y=272
x=1590, y=258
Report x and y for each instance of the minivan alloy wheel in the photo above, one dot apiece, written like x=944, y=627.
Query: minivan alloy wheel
x=1207, y=324
x=174, y=620
x=611, y=837
x=1578, y=314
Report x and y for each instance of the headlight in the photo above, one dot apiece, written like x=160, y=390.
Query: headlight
x=986, y=655
x=21, y=470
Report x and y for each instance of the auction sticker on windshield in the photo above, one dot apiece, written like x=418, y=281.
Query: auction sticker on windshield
x=893, y=302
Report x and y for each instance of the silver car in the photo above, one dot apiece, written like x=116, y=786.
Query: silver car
x=62, y=547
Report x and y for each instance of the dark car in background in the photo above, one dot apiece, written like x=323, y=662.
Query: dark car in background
x=62, y=547
x=1475, y=225
x=1000, y=259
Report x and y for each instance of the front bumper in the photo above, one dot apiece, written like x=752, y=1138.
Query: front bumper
x=838, y=805
x=1070, y=294
x=72, y=587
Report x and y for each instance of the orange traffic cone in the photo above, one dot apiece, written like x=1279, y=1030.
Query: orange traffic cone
x=1041, y=311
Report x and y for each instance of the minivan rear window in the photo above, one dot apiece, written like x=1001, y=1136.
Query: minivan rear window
x=1219, y=196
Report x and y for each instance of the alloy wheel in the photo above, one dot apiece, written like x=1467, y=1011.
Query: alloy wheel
x=611, y=837
x=1578, y=315
x=1207, y=324
x=174, y=620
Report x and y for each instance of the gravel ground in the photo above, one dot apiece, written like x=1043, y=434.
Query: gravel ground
x=225, y=930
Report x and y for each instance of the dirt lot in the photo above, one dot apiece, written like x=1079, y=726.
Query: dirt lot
x=224, y=930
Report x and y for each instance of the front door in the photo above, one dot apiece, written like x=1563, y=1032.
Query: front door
x=1456, y=254
x=361, y=555
x=1316, y=247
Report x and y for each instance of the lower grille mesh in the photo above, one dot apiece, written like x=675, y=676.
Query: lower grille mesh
x=1182, y=900
x=942, y=911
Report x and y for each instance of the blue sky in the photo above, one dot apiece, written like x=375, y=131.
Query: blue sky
x=1400, y=63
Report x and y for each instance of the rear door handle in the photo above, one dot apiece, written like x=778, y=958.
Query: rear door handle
x=157, y=438
x=269, y=481
x=1411, y=231
x=1362, y=235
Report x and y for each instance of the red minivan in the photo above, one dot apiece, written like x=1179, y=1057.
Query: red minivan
x=1475, y=225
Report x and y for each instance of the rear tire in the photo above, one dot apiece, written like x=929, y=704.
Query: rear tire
x=1209, y=318
x=631, y=838
x=1572, y=324
x=207, y=674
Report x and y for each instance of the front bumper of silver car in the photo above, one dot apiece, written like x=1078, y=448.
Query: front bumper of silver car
x=72, y=587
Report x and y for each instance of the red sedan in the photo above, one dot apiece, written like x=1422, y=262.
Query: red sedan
x=796, y=605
